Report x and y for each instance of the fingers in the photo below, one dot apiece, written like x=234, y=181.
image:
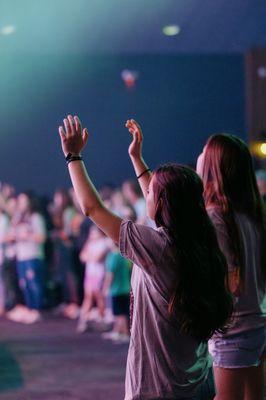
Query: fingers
x=132, y=124
x=140, y=136
x=132, y=130
x=131, y=127
x=72, y=132
x=85, y=135
x=78, y=125
x=135, y=138
x=72, y=125
x=134, y=127
x=62, y=133
x=67, y=127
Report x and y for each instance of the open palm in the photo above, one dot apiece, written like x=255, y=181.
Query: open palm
x=73, y=137
x=135, y=147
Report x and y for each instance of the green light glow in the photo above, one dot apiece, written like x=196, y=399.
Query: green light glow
x=171, y=30
x=8, y=30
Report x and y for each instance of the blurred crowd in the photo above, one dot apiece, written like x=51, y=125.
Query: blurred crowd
x=54, y=258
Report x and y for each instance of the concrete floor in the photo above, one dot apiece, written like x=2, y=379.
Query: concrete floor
x=49, y=361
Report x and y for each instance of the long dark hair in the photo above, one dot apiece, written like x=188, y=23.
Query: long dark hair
x=200, y=297
x=230, y=184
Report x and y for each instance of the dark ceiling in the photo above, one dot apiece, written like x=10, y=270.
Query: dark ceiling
x=132, y=26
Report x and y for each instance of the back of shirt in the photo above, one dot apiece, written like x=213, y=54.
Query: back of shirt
x=250, y=304
x=162, y=362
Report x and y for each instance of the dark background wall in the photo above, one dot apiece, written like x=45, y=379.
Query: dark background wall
x=179, y=101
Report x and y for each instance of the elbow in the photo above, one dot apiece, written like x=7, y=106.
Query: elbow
x=85, y=211
x=90, y=211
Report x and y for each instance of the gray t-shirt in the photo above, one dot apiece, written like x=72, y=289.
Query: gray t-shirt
x=162, y=363
x=250, y=306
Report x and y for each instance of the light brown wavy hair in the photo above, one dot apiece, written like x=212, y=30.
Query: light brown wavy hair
x=230, y=184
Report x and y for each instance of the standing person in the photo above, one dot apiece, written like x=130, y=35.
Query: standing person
x=16, y=309
x=78, y=223
x=121, y=207
x=235, y=207
x=9, y=255
x=4, y=222
x=30, y=234
x=117, y=283
x=63, y=213
x=93, y=256
x=132, y=194
x=180, y=296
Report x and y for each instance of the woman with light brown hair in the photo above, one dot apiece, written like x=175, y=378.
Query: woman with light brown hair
x=234, y=205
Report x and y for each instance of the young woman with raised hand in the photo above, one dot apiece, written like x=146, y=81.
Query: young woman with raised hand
x=236, y=209
x=179, y=276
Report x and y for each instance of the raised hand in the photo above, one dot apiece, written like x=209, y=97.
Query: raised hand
x=73, y=137
x=135, y=147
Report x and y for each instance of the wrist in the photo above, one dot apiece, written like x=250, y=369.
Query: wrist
x=72, y=154
x=147, y=170
x=135, y=158
x=73, y=157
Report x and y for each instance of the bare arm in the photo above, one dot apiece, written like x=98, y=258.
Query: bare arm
x=135, y=153
x=73, y=140
x=91, y=203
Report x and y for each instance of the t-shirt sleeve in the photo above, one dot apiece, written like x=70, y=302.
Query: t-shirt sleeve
x=141, y=244
x=224, y=239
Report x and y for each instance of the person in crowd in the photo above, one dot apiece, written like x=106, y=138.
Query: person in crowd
x=4, y=222
x=117, y=284
x=78, y=217
x=15, y=307
x=132, y=193
x=7, y=191
x=121, y=207
x=63, y=213
x=93, y=256
x=179, y=277
x=30, y=235
x=235, y=206
x=78, y=225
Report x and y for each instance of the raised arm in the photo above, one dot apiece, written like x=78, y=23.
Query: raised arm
x=73, y=140
x=135, y=152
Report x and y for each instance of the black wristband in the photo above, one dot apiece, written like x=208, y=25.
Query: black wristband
x=70, y=157
x=144, y=172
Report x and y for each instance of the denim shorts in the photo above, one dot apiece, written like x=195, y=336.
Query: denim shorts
x=241, y=350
